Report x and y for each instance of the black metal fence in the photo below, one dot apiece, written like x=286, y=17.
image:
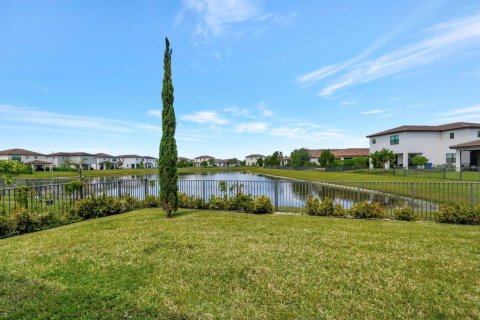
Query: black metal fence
x=286, y=195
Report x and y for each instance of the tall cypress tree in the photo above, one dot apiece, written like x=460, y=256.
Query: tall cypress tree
x=168, y=147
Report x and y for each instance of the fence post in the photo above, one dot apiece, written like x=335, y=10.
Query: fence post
x=146, y=187
x=275, y=188
x=204, y=190
x=472, y=197
x=119, y=188
x=444, y=173
x=358, y=194
x=413, y=195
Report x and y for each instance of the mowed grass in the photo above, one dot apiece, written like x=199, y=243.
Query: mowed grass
x=207, y=265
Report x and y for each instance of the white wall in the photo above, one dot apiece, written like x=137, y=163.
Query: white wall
x=252, y=161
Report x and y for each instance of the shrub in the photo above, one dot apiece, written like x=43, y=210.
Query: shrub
x=22, y=194
x=262, y=205
x=312, y=205
x=72, y=186
x=339, y=210
x=190, y=202
x=23, y=221
x=101, y=206
x=367, y=210
x=217, y=203
x=242, y=202
x=130, y=203
x=5, y=228
x=326, y=208
x=405, y=214
x=151, y=201
x=459, y=213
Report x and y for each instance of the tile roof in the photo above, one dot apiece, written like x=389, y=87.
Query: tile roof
x=200, y=157
x=474, y=143
x=341, y=153
x=443, y=127
x=38, y=162
x=104, y=155
x=255, y=155
x=20, y=152
x=72, y=154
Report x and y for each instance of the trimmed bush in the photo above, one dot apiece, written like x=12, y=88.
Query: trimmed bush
x=312, y=205
x=130, y=203
x=405, y=214
x=5, y=228
x=23, y=221
x=339, y=210
x=367, y=210
x=327, y=207
x=459, y=213
x=217, y=203
x=242, y=202
x=190, y=202
x=262, y=205
x=98, y=206
x=151, y=201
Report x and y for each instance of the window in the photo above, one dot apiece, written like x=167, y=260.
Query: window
x=452, y=135
x=84, y=158
x=478, y=134
x=374, y=140
x=15, y=157
x=395, y=139
x=451, y=157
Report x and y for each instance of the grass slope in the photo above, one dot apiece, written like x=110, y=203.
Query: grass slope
x=204, y=264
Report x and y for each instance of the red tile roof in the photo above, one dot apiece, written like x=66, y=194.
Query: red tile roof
x=474, y=143
x=20, y=152
x=341, y=153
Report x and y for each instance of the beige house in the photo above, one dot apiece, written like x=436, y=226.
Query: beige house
x=87, y=161
x=198, y=160
x=251, y=160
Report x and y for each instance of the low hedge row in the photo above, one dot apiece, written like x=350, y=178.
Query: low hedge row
x=240, y=202
x=447, y=213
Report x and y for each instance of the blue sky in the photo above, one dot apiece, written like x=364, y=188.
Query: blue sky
x=250, y=76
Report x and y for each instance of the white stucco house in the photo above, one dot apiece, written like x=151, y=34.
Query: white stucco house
x=198, y=160
x=453, y=143
x=220, y=163
x=132, y=161
x=88, y=161
x=104, y=161
x=251, y=160
x=38, y=161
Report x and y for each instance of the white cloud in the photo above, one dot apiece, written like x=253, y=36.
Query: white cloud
x=251, y=127
x=464, y=110
x=155, y=113
x=238, y=112
x=375, y=111
x=203, y=117
x=214, y=16
x=449, y=38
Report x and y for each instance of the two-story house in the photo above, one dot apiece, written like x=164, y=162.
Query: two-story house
x=38, y=161
x=251, y=160
x=105, y=161
x=198, y=160
x=87, y=161
x=436, y=143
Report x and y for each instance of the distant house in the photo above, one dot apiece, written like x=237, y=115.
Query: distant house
x=133, y=161
x=251, y=160
x=285, y=161
x=220, y=163
x=38, y=161
x=198, y=160
x=452, y=143
x=87, y=161
x=104, y=161
x=340, y=154
x=182, y=159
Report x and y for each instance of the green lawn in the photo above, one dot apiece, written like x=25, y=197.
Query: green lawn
x=208, y=265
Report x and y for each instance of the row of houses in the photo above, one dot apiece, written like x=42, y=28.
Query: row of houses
x=88, y=161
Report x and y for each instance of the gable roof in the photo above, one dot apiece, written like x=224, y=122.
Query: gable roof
x=255, y=155
x=129, y=156
x=200, y=157
x=443, y=127
x=38, y=163
x=104, y=155
x=20, y=152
